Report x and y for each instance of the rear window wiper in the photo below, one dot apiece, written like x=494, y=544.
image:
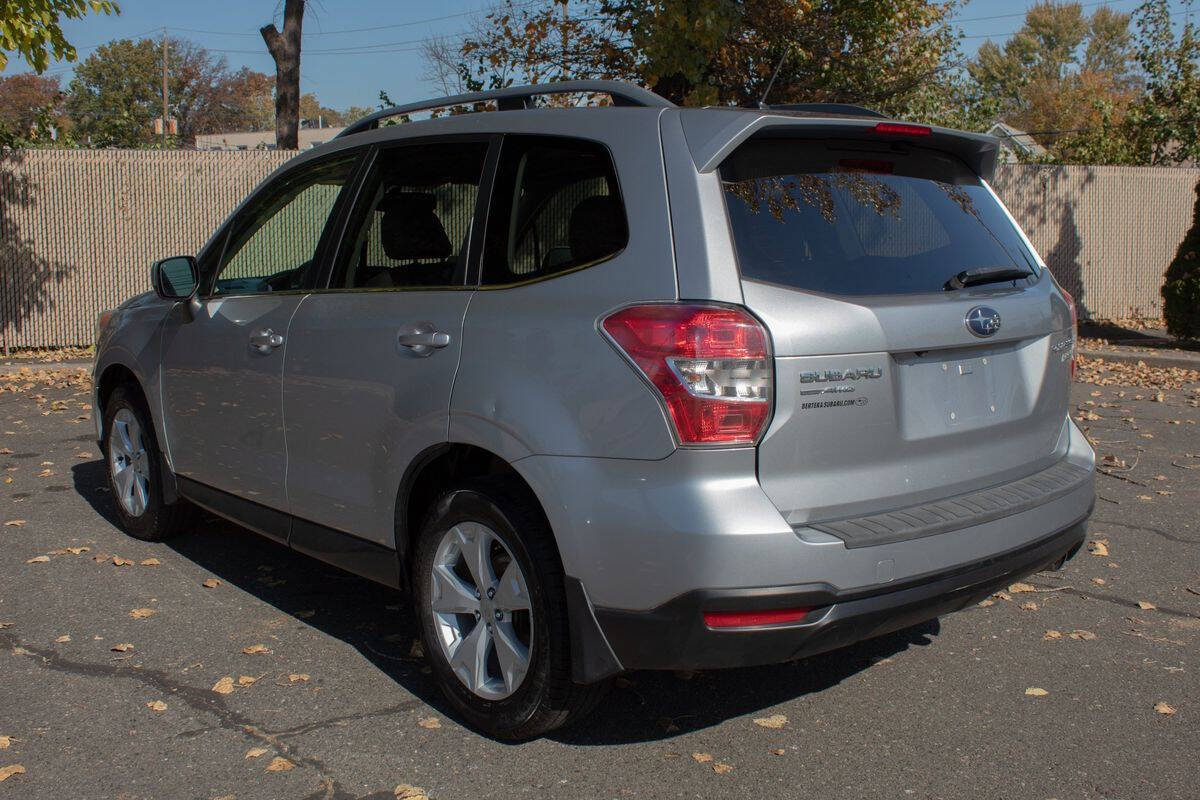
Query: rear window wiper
x=982, y=275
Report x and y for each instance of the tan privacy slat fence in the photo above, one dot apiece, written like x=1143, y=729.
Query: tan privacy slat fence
x=1107, y=233
x=79, y=228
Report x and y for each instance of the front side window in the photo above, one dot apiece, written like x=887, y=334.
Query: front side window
x=413, y=229
x=556, y=207
x=273, y=244
x=858, y=218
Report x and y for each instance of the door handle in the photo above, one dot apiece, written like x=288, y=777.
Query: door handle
x=265, y=341
x=423, y=339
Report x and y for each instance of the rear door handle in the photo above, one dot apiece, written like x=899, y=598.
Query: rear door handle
x=265, y=341
x=423, y=339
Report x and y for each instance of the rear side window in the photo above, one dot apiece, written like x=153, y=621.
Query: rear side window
x=413, y=225
x=856, y=218
x=556, y=207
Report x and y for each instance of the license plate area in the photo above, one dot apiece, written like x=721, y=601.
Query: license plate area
x=947, y=391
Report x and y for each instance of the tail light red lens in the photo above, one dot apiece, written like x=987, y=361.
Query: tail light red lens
x=711, y=365
x=1074, y=326
x=753, y=619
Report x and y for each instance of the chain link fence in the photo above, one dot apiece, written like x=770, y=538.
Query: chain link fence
x=80, y=228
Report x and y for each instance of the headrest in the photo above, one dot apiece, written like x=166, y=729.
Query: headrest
x=596, y=229
x=410, y=229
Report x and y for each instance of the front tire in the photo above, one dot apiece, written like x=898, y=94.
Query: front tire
x=489, y=592
x=134, y=466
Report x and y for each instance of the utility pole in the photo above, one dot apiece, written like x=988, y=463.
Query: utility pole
x=164, y=87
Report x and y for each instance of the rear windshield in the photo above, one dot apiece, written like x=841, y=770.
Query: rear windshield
x=859, y=218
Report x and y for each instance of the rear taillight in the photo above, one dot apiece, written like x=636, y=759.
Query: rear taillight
x=710, y=364
x=1074, y=326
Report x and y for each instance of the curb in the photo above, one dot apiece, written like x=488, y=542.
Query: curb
x=1162, y=360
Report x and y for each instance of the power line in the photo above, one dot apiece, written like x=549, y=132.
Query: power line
x=1014, y=33
x=1023, y=13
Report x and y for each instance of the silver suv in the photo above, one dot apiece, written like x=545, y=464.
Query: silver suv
x=615, y=388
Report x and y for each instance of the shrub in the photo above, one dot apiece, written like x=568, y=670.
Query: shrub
x=1181, y=290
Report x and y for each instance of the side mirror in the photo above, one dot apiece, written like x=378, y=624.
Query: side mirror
x=175, y=278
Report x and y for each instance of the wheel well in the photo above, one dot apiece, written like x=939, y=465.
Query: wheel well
x=431, y=474
x=114, y=376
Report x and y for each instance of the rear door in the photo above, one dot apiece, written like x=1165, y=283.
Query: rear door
x=222, y=367
x=893, y=386
x=372, y=358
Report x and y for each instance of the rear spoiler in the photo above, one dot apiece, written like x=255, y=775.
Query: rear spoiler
x=712, y=134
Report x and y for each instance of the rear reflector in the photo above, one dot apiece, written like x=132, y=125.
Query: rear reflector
x=710, y=364
x=903, y=129
x=753, y=619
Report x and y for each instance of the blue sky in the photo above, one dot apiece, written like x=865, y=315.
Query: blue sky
x=393, y=29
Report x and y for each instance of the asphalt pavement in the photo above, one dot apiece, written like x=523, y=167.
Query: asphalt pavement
x=222, y=665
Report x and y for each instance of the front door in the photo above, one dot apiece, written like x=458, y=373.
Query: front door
x=371, y=360
x=222, y=365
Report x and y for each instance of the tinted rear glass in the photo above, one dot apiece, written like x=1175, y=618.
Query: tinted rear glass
x=858, y=218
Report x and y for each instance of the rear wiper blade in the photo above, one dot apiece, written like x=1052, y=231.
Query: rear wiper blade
x=982, y=275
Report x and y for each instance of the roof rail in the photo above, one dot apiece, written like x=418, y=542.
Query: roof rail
x=828, y=108
x=518, y=97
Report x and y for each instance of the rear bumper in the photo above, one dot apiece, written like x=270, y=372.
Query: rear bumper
x=674, y=635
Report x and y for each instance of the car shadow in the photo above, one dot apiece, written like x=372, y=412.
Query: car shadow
x=376, y=621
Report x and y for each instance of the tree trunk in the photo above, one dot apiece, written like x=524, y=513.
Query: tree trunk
x=285, y=49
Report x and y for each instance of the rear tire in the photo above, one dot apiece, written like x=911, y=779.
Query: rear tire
x=135, y=468
x=520, y=552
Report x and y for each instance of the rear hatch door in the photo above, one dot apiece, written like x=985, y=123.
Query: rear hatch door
x=896, y=385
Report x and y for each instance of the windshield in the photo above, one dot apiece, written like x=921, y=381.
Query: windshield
x=860, y=218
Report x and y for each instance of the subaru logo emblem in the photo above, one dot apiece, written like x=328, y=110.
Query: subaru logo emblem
x=982, y=321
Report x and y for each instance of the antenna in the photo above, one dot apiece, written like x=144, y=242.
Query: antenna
x=786, y=52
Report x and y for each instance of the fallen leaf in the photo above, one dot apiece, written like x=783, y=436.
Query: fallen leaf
x=247, y=680
x=1029, y=606
x=211, y=583
x=150, y=562
x=255, y=752
x=986, y=603
x=157, y=705
x=76, y=550
x=702, y=758
x=10, y=770
x=38, y=560
x=121, y=562
x=778, y=751
x=1144, y=606
x=1164, y=709
x=1049, y=636
x=1144, y=497
x=64, y=638
x=721, y=768
x=774, y=721
x=15, y=523
x=298, y=676
x=1034, y=691
x=280, y=765
x=405, y=791
x=142, y=613
x=5, y=741
x=1098, y=548
x=1098, y=581
x=1017, y=588
x=46, y=473
x=255, y=649
x=223, y=686
x=429, y=723
x=123, y=647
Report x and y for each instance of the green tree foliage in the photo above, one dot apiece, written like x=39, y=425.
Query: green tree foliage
x=32, y=28
x=1181, y=291
x=117, y=94
x=720, y=51
x=1062, y=73
x=30, y=106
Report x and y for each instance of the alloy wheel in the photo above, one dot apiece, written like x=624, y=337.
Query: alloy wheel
x=129, y=463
